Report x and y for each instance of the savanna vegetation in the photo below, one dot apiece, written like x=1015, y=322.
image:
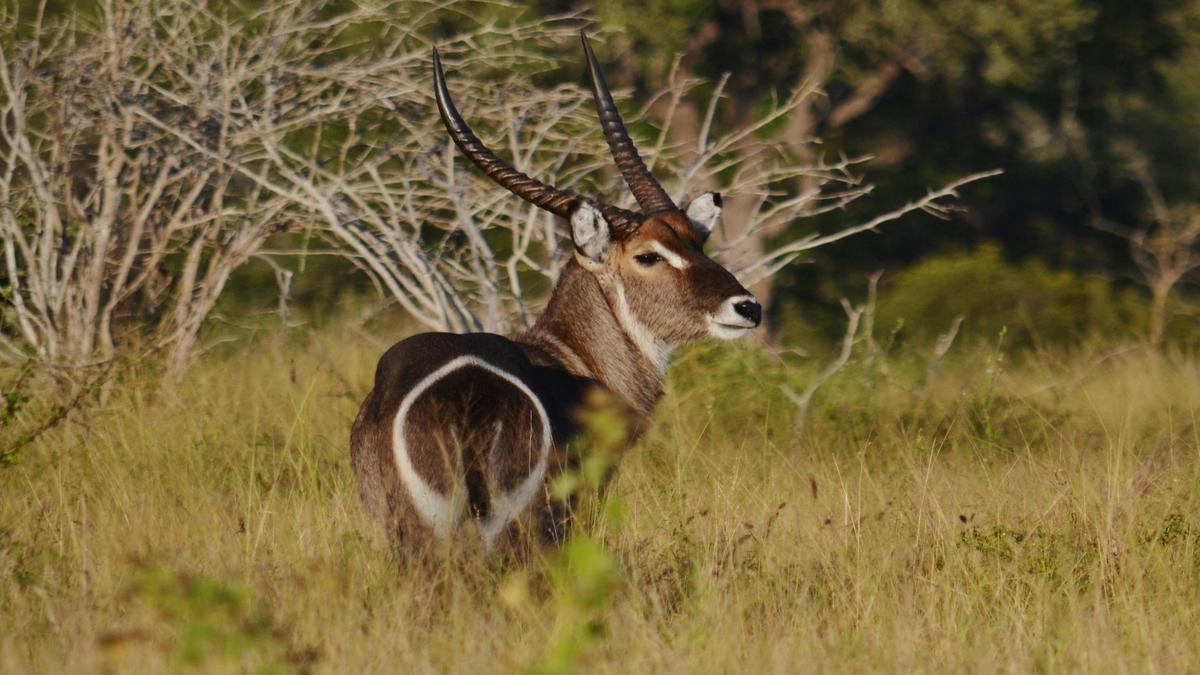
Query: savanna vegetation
x=1034, y=513
x=987, y=459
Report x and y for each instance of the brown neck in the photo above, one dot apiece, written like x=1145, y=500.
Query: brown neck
x=581, y=330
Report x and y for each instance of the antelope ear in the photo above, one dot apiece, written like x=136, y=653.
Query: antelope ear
x=704, y=211
x=590, y=233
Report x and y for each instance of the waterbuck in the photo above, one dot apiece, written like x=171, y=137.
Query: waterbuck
x=464, y=433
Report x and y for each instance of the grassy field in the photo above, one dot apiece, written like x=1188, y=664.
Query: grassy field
x=1029, y=513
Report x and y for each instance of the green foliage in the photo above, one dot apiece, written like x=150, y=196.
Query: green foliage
x=14, y=394
x=1064, y=560
x=583, y=576
x=1063, y=94
x=25, y=563
x=1174, y=530
x=664, y=27
x=213, y=618
x=1037, y=305
x=1025, y=42
x=31, y=408
x=1016, y=42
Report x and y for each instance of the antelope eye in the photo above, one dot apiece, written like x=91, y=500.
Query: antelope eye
x=648, y=259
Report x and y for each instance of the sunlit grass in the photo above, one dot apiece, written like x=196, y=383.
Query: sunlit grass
x=1028, y=514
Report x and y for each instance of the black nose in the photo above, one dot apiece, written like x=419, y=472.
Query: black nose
x=750, y=310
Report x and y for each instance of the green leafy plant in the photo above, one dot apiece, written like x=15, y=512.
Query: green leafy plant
x=583, y=575
x=1038, y=305
x=214, y=619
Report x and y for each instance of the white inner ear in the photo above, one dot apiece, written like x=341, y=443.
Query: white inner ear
x=590, y=233
x=704, y=212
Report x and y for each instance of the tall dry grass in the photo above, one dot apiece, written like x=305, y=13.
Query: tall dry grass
x=1031, y=516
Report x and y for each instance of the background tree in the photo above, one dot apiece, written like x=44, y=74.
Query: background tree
x=1070, y=97
x=1046, y=90
x=1153, y=146
x=153, y=148
x=850, y=54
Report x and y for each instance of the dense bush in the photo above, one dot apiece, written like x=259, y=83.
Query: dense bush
x=1033, y=304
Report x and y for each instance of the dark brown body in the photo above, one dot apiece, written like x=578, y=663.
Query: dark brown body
x=466, y=432
x=474, y=436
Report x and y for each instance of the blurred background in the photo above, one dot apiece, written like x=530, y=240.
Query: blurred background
x=1088, y=106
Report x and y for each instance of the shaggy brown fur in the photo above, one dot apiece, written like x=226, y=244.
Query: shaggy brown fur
x=474, y=428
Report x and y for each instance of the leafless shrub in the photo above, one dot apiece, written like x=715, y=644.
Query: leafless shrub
x=149, y=153
x=940, y=348
x=458, y=254
x=110, y=223
x=1166, y=248
x=860, y=329
x=453, y=251
x=854, y=322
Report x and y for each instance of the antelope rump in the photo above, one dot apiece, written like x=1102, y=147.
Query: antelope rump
x=464, y=433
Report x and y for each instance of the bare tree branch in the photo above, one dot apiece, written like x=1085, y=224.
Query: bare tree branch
x=802, y=400
x=146, y=159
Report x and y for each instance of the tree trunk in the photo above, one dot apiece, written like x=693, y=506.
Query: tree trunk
x=1160, y=292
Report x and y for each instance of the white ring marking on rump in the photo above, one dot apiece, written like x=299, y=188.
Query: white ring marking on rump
x=437, y=510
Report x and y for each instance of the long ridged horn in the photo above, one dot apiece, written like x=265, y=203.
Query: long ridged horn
x=650, y=196
x=559, y=202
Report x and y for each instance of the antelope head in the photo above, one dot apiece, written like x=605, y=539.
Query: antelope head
x=651, y=263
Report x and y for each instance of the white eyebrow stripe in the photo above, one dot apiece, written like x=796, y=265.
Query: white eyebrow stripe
x=673, y=259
